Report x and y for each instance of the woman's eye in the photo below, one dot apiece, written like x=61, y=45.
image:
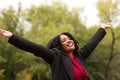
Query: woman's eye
x=63, y=40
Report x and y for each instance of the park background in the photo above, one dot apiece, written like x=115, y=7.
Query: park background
x=42, y=22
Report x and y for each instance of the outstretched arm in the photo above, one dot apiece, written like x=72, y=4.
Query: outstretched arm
x=93, y=42
x=28, y=46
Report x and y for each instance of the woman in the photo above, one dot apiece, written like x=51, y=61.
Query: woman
x=62, y=54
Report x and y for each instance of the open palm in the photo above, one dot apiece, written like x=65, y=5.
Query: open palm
x=108, y=25
x=5, y=33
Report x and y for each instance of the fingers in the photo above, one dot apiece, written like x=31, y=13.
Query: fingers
x=2, y=31
x=5, y=33
x=108, y=25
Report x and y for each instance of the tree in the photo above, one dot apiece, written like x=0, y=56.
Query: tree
x=11, y=62
x=108, y=11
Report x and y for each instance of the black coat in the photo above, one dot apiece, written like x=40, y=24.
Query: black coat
x=60, y=63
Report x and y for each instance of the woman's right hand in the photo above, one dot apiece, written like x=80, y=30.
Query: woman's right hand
x=5, y=33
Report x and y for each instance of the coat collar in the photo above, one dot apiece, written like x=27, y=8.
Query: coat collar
x=68, y=66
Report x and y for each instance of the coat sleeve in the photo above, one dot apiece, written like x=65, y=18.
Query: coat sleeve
x=37, y=50
x=86, y=50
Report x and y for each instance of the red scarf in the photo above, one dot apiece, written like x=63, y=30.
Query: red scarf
x=80, y=72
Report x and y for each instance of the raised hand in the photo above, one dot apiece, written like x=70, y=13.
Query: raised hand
x=5, y=33
x=108, y=25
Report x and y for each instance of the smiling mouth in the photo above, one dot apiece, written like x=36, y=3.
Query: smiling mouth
x=70, y=44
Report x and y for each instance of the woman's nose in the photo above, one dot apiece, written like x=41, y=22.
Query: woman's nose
x=69, y=40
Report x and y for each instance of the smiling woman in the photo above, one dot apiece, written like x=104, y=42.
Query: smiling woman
x=66, y=60
x=67, y=43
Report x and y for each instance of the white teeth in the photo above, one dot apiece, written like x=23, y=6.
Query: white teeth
x=70, y=44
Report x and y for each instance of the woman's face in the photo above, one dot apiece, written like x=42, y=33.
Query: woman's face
x=67, y=43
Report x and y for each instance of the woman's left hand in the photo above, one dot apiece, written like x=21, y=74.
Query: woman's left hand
x=108, y=25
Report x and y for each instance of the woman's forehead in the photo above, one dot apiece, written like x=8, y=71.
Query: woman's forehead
x=63, y=36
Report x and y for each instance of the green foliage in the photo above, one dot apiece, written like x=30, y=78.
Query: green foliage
x=57, y=13
x=108, y=9
x=10, y=56
x=46, y=22
x=50, y=20
x=43, y=35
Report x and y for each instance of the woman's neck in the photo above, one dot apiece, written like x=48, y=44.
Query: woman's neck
x=70, y=54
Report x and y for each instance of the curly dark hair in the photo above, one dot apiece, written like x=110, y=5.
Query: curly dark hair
x=55, y=42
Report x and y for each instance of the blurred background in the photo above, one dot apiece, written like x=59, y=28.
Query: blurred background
x=40, y=20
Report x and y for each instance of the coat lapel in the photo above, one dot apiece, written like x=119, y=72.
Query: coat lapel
x=68, y=66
